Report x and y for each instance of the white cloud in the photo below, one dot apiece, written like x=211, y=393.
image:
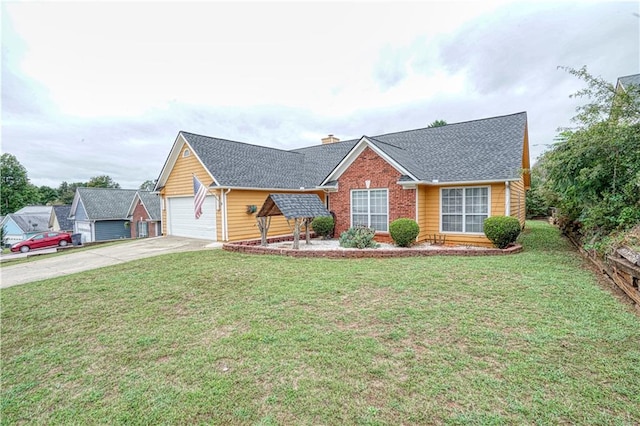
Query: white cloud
x=103, y=88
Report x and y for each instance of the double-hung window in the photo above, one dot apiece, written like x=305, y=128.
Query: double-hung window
x=369, y=207
x=464, y=209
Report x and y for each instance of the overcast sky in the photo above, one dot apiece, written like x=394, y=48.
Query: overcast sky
x=98, y=88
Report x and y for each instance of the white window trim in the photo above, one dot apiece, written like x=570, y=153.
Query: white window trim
x=186, y=153
x=463, y=206
x=368, y=190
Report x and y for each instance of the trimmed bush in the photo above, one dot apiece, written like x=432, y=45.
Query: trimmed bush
x=502, y=230
x=404, y=231
x=323, y=226
x=358, y=237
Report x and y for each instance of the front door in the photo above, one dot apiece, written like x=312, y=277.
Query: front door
x=143, y=229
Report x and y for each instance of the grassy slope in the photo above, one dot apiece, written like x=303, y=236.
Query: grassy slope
x=215, y=337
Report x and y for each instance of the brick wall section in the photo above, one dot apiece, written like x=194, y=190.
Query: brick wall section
x=370, y=166
x=139, y=212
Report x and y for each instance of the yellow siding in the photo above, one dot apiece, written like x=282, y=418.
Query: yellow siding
x=180, y=183
x=430, y=224
x=518, y=207
x=422, y=212
x=241, y=225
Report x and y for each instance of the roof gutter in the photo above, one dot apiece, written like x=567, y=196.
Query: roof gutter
x=435, y=182
x=248, y=188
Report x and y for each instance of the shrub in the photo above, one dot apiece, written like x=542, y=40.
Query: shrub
x=502, y=230
x=404, y=231
x=358, y=237
x=323, y=226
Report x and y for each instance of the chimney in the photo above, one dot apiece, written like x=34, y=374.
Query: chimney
x=330, y=139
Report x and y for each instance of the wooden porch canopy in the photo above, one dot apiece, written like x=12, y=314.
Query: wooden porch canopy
x=293, y=206
x=299, y=207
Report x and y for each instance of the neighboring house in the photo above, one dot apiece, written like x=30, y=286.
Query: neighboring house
x=61, y=218
x=102, y=214
x=624, y=83
x=18, y=227
x=630, y=86
x=44, y=211
x=448, y=179
x=144, y=215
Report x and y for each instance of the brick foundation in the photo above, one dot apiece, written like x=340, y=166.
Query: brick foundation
x=254, y=247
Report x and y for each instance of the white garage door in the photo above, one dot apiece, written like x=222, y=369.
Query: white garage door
x=182, y=222
x=84, y=229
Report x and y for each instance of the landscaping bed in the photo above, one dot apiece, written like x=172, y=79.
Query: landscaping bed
x=331, y=249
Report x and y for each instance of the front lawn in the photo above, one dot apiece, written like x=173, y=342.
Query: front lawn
x=222, y=338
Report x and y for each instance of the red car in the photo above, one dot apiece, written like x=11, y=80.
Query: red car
x=42, y=240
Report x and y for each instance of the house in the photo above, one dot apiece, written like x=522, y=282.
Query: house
x=26, y=222
x=627, y=96
x=448, y=178
x=61, y=221
x=58, y=216
x=144, y=215
x=102, y=214
x=624, y=83
x=18, y=227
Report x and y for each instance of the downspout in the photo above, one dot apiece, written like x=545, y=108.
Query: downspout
x=417, y=204
x=225, y=224
x=219, y=204
x=507, y=199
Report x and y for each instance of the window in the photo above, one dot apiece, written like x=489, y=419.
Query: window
x=186, y=153
x=464, y=209
x=369, y=207
x=143, y=229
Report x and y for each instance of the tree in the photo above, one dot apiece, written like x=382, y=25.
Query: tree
x=47, y=195
x=594, y=169
x=539, y=199
x=438, y=123
x=148, y=185
x=67, y=191
x=103, y=181
x=15, y=189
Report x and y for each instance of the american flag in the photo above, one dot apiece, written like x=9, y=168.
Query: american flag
x=199, y=194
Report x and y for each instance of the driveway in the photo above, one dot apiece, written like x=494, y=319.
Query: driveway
x=96, y=258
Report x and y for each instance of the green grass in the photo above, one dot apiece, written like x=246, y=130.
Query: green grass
x=219, y=338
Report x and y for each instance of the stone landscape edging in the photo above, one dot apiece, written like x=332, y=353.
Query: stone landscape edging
x=254, y=247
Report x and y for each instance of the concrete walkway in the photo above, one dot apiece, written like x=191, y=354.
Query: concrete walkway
x=98, y=257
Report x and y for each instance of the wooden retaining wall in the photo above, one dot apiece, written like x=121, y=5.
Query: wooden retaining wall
x=623, y=268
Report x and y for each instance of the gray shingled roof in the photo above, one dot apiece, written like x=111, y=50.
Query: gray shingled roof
x=106, y=203
x=26, y=222
x=40, y=210
x=320, y=160
x=628, y=80
x=243, y=165
x=293, y=206
x=478, y=150
x=152, y=203
x=62, y=213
